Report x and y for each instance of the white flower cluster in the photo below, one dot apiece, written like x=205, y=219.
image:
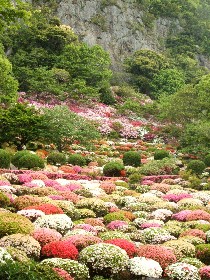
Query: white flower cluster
x=203, y=196
x=31, y=214
x=4, y=256
x=161, y=214
x=145, y=267
x=182, y=271
x=157, y=235
x=38, y=183
x=74, y=268
x=60, y=222
x=104, y=256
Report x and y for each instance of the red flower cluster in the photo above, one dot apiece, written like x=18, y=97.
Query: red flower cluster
x=60, y=249
x=47, y=208
x=194, y=232
x=128, y=246
x=157, y=253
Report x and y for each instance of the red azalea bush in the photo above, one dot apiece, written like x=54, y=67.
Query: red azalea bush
x=81, y=241
x=157, y=253
x=128, y=246
x=198, y=215
x=60, y=249
x=194, y=232
x=63, y=273
x=47, y=208
x=205, y=272
x=46, y=235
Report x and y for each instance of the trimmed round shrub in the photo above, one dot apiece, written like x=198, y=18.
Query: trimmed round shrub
x=76, y=159
x=107, y=97
x=157, y=253
x=17, y=255
x=124, y=244
x=180, y=248
x=113, y=169
x=25, y=243
x=81, y=241
x=194, y=232
x=196, y=166
x=24, y=201
x=182, y=271
x=56, y=158
x=30, y=161
x=104, y=259
x=114, y=216
x=17, y=156
x=205, y=272
x=5, y=159
x=132, y=159
x=46, y=235
x=203, y=253
x=207, y=160
x=47, y=208
x=74, y=268
x=193, y=261
x=60, y=249
x=26, y=271
x=4, y=200
x=11, y=223
x=160, y=154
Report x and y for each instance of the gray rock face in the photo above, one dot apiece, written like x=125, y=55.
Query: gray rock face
x=118, y=27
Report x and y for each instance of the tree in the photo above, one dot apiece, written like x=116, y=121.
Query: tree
x=8, y=84
x=20, y=124
x=64, y=127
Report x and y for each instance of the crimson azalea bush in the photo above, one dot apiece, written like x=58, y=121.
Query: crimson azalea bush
x=128, y=246
x=60, y=249
x=160, y=254
x=47, y=208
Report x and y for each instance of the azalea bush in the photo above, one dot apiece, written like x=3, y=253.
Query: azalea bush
x=46, y=235
x=182, y=271
x=60, y=249
x=124, y=244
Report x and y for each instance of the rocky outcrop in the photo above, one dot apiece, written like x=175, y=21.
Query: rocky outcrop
x=120, y=27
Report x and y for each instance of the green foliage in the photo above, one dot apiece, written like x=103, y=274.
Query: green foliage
x=31, y=161
x=134, y=178
x=196, y=166
x=5, y=159
x=4, y=200
x=27, y=271
x=56, y=158
x=107, y=97
x=64, y=127
x=114, y=216
x=158, y=167
x=207, y=160
x=8, y=84
x=16, y=157
x=113, y=169
x=11, y=223
x=77, y=159
x=160, y=154
x=203, y=253
x=132, y=158
x=20, y=124
x=167, y=81
x=100, y=21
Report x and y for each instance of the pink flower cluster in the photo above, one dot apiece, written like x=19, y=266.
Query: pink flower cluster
x=181, y=216
x=176, y=197
x=117, y=225
x=46, y=235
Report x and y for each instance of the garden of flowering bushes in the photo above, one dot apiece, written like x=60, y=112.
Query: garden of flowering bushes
x=135, y=212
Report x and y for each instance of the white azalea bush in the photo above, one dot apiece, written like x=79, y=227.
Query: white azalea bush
x=156, y=235
x=77, y=270
x=182, y=271
x=4, y=256
x=60, y=222
x=142, y=266
x=106, y=259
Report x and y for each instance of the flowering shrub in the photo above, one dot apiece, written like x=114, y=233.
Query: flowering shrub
x=180, y=248
x=94, y=222
x=81, y=241
x=176, y=197
x=145, y=267
x=31, y=214
x=116, y=216
x=117, y=225
x=161, y=214
x=24, y=201
x=192, y=261
x=77, y=270
x=194, y=232
x=25, y=243
x=205, y=272
x=4, y=256
x=182, y=271
x=203, y=252
x=105, y=259
x=86, y=227
x=60, y=249
x=113, y=235
x=191, y=239
x=124, y=244
x=24, y=178
x=198, y=215
x=160, y=254
x=47, y=208
x=160, y=187
x=17, y=255
x=108, y=186
x=182, y=215
x=60, y=222
x=156, y=235
x=95, y=204
x=14, y=223
x=62, y=273
x=46, y=235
